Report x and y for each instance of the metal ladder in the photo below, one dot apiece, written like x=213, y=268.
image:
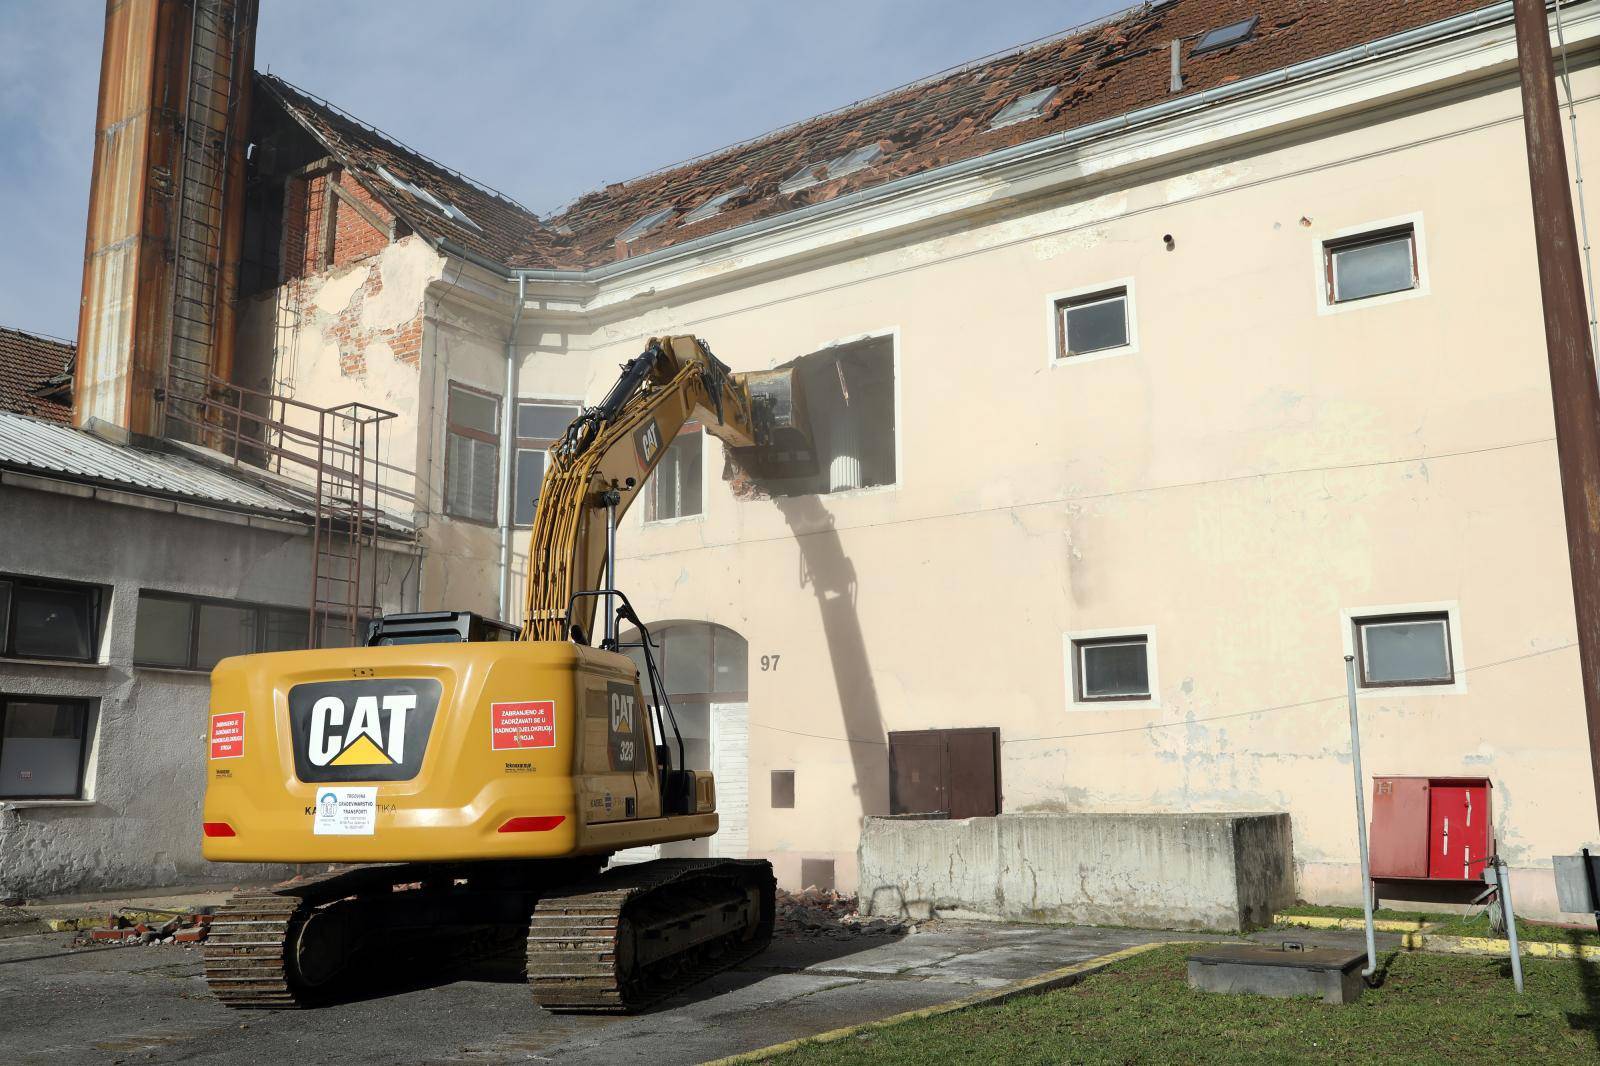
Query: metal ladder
x=345, y=534
x=202, y=186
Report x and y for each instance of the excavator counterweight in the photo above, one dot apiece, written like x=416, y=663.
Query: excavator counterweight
x=463, y=789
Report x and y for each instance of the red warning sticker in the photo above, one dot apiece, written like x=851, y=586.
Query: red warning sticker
x=227, y=735
x=523, y=724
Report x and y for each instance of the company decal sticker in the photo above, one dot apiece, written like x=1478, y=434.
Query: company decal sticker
x=522, y=724
x=345, y=812
x=647, y=442
x=367, y=730
x=227, y=735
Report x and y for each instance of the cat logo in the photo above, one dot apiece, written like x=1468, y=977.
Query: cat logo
x=370, y=738
x=373, y=730
x=647, y=441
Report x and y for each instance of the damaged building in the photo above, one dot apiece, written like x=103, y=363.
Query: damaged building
x=1152, y=369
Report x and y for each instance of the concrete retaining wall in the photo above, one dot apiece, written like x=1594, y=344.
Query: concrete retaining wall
x=1167, y=871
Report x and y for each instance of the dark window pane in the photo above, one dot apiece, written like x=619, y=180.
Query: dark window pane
x=472, y=411
x=732, y=663
x=284, y=630
x=471, y=469
x=41, y=748
x=1399, y=652
x=782, y=789
x=1096, y=324
x=5, y=616
x=688, y=665
x=544, y=421
x=161, y=632
x=54, y=623
x=1373, y=269
x=224, y=631
x=1120, y=669
x=530, y=476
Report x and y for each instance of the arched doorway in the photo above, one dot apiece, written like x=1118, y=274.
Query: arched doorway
x=706, y=670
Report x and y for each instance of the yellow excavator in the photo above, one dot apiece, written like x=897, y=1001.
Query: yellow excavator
x=463, y=782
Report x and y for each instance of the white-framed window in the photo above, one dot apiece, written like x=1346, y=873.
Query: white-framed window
x=540, y=423
x=50, y=620
x=1404, y=649
x=1092, y=323
x=1413, y=647
x=472, y=454
x=1371, y=264
x=44, y=746
x=1112, y=667
x=677, y=484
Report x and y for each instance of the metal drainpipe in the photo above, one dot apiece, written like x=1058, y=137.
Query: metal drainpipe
x=1361, y=814
x=508, y=449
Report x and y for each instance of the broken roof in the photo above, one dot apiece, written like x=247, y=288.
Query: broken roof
x=1108, y=69
x=36, y=375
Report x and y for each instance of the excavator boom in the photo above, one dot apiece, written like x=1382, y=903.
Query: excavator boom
x=460, y=789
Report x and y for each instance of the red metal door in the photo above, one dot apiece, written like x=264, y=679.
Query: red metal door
x=1457, y=831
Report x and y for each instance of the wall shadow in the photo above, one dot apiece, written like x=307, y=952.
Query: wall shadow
x=1589, y=984
x=831, y=576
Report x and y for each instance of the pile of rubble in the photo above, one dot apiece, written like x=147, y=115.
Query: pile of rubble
x=147, y=927
x=820, y=914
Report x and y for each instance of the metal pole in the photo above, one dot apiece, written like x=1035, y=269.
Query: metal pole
x=612, y=498
x=1361, y=814
x=1511, y=918
x=1566, y=333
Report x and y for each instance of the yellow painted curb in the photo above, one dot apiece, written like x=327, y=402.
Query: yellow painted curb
x=1482, y=945
x=1066, y=975
x=1320, y=921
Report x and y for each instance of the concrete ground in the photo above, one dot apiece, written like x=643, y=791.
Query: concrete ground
x=100, y=1004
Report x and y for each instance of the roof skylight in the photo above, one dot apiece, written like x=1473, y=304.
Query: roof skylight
x=646, y=224
x=1023, y=108
x=860, y=159
x=712, y=207
x=1226, y=36
x=444, y=207
x=837, y=167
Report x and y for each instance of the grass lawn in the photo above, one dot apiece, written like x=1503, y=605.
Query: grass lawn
x=1430, y=1009
x=1454, y=924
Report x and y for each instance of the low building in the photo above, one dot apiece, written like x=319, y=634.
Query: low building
x=126, y=571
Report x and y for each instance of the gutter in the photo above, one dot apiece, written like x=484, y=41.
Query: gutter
x=1051, y=144
x=508, y=440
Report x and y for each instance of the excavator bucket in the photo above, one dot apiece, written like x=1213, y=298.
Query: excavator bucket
x=782, y=426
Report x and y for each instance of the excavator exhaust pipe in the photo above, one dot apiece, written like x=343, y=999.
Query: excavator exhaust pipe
x=784, y=446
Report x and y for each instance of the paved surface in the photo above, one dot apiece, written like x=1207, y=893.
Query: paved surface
x=149, y=1004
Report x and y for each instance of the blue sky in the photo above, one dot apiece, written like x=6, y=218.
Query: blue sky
x=540, y=99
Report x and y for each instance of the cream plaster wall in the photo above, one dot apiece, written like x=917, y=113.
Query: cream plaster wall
x=1255, y=468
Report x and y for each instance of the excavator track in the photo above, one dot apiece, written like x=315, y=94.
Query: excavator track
x=246, y=951
x=638, y=934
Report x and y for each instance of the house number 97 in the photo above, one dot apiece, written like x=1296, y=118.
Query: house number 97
x=769, y=662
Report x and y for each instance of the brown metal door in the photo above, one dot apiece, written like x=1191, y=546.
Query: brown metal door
x=916, y=773
x=954, y=773
x=972, y=772
x=1398, y=837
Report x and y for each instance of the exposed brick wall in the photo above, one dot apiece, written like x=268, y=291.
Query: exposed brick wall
x=353, y=236
x=305, y=205
x=348, y=330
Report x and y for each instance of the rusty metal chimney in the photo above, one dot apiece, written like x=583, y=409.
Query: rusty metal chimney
x=155, y=321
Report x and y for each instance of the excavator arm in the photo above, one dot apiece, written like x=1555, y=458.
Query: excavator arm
x=609, y=451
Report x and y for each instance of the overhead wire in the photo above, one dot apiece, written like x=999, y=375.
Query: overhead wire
x=1177, y=722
